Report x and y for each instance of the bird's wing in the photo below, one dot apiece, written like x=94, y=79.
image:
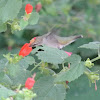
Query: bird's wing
x=50, y=40
x=67, y=40
x=53, y=32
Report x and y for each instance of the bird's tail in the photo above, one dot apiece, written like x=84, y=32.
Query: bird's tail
x=74, y=38
x=68, y=40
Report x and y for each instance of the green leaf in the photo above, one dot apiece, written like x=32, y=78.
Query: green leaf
x=4, y=92
x=46, y=89
x=26, y=61
x=23, y=23
x=29, y=60
x=52, y=55
x=34, y=18
x=35, y=50
x=6, y=80
x=9, y=9
x=21, y=77
x=13, y=69
x=51, y=10
x=17, y=74
x=3, y=27
x=73, y=59
x=55, y=66
x=19, y=96
x=3, y=63
x=1, y=75
x=71, y=74
x=76, y=69
x=47, y=71
x=91, y=45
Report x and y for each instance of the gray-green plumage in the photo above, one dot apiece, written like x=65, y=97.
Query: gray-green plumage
x=52, y=40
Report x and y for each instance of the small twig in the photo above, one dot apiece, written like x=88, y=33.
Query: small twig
x=36, y=66
x=63, y=66
x=69, y=65
x=97, y=58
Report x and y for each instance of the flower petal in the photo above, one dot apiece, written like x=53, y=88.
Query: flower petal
x=28, y=8
x=25, y=50
x=29, y=83
x=69, y=53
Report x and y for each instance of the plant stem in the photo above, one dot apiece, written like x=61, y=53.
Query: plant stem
x=9, y=23
x=36, y=66
x=87, y=71
x=97, y=58
x=63, y=66
x=19, y=87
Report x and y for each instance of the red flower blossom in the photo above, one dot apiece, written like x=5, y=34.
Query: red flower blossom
x=25, y=50
x=69, y=53
x=28, y=8
x=38, y=7
x=30, y=82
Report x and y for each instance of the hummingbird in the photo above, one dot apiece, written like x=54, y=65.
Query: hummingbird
x=51, y=39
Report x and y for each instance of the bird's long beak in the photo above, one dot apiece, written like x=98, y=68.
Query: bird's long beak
x=32, y=41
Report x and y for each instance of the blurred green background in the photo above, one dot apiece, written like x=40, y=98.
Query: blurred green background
x=72, y=17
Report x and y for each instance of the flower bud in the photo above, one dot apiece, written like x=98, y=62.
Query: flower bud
x=93, y=77
x=15, y=26
x=38, y=7
x=30, y=82
x=88, y=63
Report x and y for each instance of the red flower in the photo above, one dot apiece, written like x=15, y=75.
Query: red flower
x=30, y=82
x=28, y=8
x=69, y=53
x=38, y=7
x=25, y=50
